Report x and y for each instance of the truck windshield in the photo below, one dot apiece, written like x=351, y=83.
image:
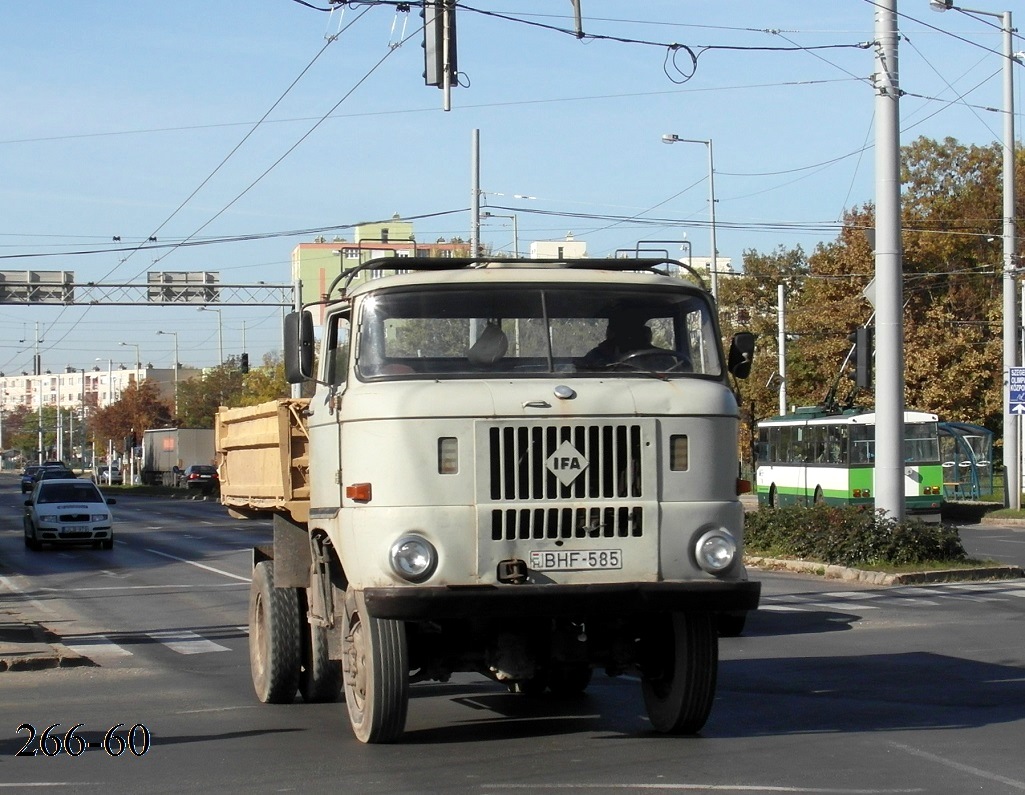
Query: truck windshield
x=519, y=331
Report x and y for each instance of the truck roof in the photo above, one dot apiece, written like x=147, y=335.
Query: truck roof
x=422, y=271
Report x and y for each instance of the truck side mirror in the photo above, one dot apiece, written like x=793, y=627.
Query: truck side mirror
x=299, y=347
x=742, y=351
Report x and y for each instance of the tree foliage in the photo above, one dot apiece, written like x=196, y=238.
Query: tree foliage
x=199, y=398
x=952, y=263
x=140, y=407
x=226, y=385
x=264, y=383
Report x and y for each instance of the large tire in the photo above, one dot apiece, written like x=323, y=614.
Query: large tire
x=274, y=645
x=678, y=678
x=320, y=679
x=375, y=661
x=31, y=542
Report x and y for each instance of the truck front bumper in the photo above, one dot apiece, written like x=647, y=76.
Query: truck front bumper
x=414, y=603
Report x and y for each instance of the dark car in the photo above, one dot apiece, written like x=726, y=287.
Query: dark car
x=28, y=478
x=49, y=472
x=68, y=511
x=200, y=476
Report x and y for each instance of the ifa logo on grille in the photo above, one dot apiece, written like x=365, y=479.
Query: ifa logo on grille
x=566, y=463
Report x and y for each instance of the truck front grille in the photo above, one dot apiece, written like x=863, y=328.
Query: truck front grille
x=609, y=462
x=556, y=523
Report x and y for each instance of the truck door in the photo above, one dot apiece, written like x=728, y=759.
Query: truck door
x=324, y=421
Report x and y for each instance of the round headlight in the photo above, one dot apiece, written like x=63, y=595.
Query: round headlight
x=716, y=550
x=413, y=558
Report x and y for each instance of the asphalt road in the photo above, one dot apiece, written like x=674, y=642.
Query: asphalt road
x=833, y=689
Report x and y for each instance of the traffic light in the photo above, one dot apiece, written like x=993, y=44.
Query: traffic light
x=244, y=364
x=439, y=25
x=861, y=356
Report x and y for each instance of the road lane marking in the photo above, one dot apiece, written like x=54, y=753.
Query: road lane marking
x=200, y=565
x=96, y=646
x=974, y=771
x=661, y=785
x=184, y=587
x=185, y=642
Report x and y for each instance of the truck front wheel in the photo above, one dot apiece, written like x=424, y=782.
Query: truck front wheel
x=375, y=662
x=274, y=649
x=680, y=661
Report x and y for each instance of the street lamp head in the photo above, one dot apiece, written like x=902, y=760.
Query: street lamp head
x=941, y=5
x=670, y=138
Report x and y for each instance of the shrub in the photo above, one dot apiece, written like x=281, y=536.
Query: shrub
x=849, y=536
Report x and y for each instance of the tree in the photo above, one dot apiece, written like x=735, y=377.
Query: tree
x=750, y=301
x=199, y=398
x=265, y=383
x=952, y=266
x=140, y=407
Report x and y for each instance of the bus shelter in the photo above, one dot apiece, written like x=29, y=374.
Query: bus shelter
x=966, y=451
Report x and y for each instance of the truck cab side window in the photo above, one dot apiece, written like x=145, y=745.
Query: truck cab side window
x=337, y=350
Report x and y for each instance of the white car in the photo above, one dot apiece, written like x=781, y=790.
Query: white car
x=68, y=511
x=110, y=476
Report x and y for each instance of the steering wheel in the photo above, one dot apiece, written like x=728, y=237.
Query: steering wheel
x=632, y=358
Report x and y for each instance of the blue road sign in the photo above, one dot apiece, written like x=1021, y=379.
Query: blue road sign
x=1016, y=390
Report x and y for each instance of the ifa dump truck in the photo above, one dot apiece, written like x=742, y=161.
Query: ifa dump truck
x=521, y=468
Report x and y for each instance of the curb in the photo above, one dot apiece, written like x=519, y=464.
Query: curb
x=834, y=572
x=28, y=646
x=1001, y=520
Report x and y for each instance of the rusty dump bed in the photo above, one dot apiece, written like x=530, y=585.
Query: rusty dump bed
x=264, y=454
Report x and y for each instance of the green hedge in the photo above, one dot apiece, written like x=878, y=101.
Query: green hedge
x=848, y=536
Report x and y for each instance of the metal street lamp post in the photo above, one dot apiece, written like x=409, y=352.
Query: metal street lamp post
x=138, y=359
x=110, y=399
x=1010, y=306
x=672, y=138
x=220, y=332
x=110, y=379
x=176, y=367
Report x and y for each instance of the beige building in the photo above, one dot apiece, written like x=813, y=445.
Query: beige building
x=318, y=263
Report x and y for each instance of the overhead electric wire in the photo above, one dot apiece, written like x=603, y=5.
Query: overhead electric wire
x=152, y=235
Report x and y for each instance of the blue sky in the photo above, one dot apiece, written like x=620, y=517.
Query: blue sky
x=137, y=119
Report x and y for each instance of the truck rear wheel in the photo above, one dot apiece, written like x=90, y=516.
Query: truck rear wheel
x=320, y=679
x=679, y=671
x=375, y=662
x=274, y=646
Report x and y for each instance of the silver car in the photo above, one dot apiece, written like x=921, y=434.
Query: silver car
x=68, y=511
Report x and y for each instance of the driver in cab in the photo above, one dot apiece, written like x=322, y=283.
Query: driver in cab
x=625, y=334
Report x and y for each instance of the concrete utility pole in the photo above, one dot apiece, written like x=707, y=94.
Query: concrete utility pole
x=1012, y=462
x=475, y=194
x=781, y=344
x=889, y=271
x=713, y=267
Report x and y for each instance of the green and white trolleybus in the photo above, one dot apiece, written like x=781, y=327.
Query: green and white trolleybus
x=817, y=456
